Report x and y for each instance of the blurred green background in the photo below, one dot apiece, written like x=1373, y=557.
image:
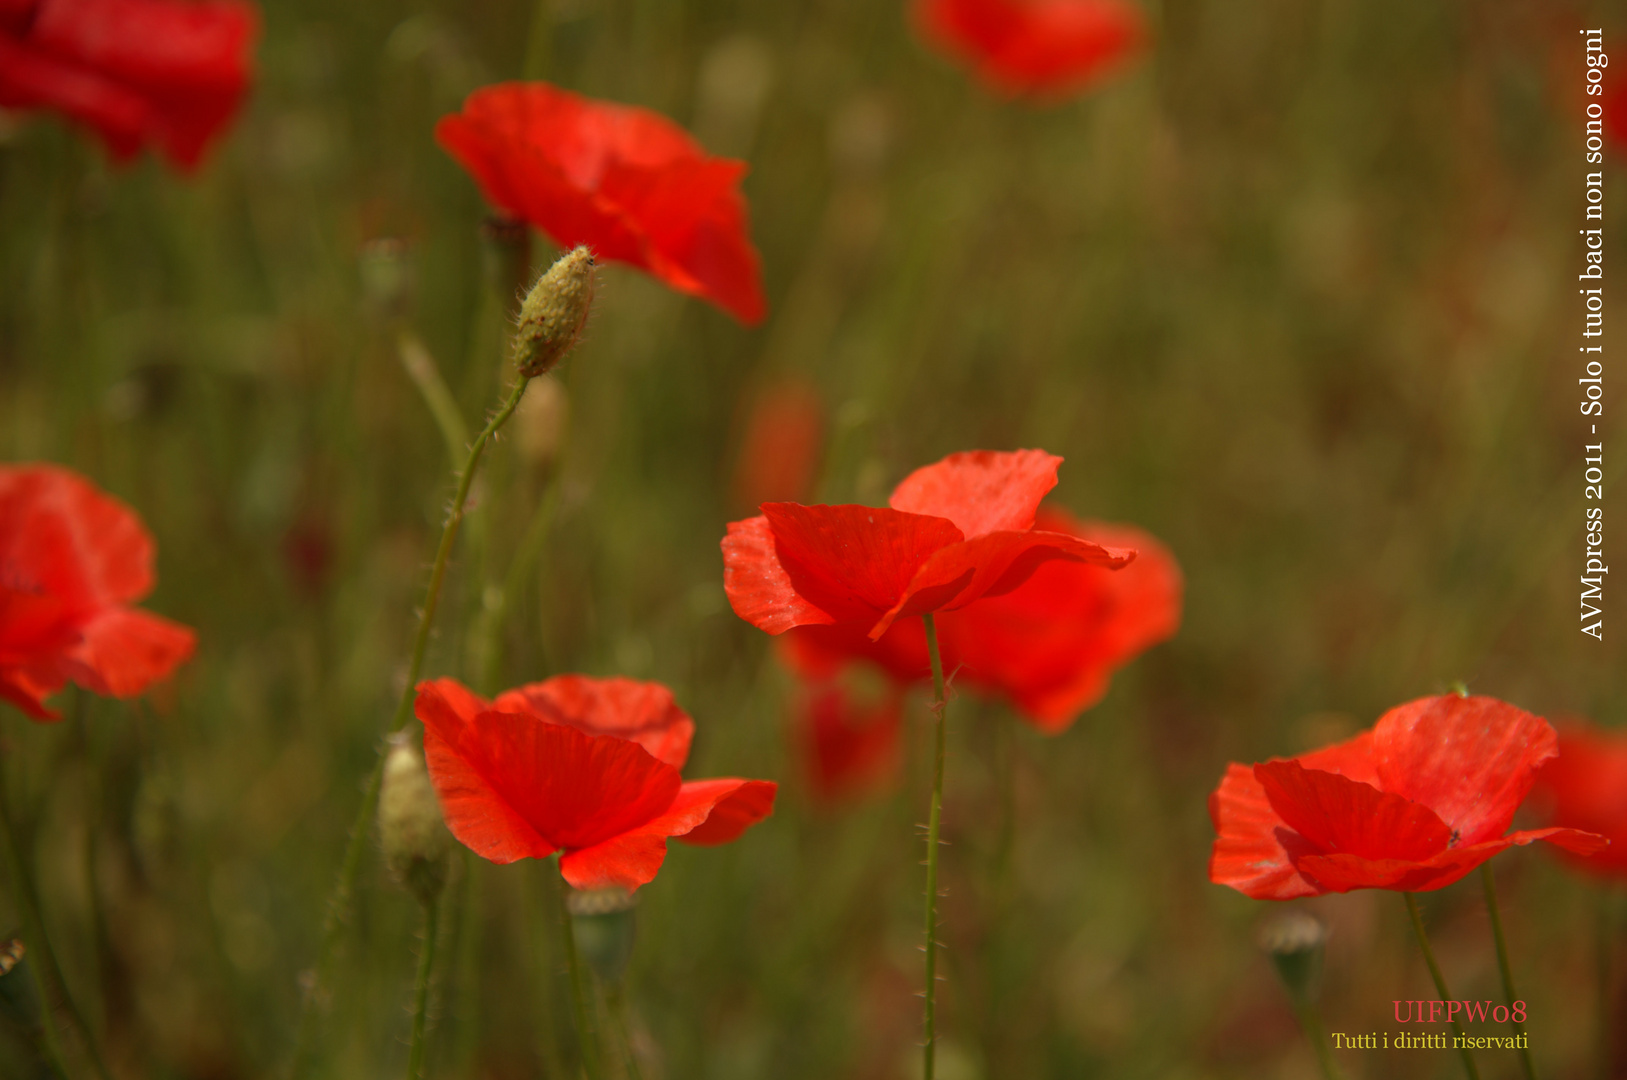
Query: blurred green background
x=1293, y=293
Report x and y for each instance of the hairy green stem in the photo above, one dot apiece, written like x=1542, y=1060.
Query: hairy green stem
x=580, y=1005
x=48, y=980
x=420, y=998
x=1440, y=980
x=339, y=899
x=1505, y=969
x=940, y=704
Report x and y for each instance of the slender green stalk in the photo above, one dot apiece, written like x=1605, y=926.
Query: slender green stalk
x=426, y=376
x=618, y=1012
x=1506, y=969
x=48, y=980
x=1440, y=980
x=339, y=899
x=940, y=704
x=1310, y=1022
x=420, y=1001
x=579, y=990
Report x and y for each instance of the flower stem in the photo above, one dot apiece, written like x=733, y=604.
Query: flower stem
x=1310, y=1022
x=618, y=1012
x=1505, y=968
x=420, y=366
x=339, y=899
x=420, y=1003
x=940, y=704
x=579, y=988
x=48, y=980
x=1440, y=980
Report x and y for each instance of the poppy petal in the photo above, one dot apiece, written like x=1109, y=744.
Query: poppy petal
x=1585, y=787
x=633, y=858
x=644, y=712
x=758, y=586
x=1471, y=759
x=27, y=691
x=1248, y=852
x=1344, y=872
x=847, y=746
x=1338, y=814
x=69, y=539
x=853, y=562
x=981, y=491
x=124, y=650
x=499, y=770
x=30, y=80
x=1046, y=48
x=742, y=804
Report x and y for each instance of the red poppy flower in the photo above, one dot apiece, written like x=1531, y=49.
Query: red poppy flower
x=952, y=533
x=137, y=72
x=587, y=767
x=781, y=447
x=71, y=558
x=847, y=746
x=1585, y=787
x=1049, y=646
x=1614, y=100
x=1047, y=48
x=1414, y=804
x=624, y=181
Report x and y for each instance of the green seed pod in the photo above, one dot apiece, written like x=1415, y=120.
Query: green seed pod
x=414, y=835
x=603, y=922
x=554, y=312
x=1294, y=941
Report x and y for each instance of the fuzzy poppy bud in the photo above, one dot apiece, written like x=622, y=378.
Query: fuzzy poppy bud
x=554, y=311
x=602, y=920
x=1294, y=941
x=414, y=835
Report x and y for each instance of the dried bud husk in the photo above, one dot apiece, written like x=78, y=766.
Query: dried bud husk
x=603, y=922
x=1294, y=940
x=416, y=843
x=554, y=312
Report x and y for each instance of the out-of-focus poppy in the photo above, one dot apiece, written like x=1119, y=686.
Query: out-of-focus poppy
x=1614, y=101
x=1585, y=787
x=626, y=182
x=781, y=446
x=157, y=73
x=1412, y=805
x=1049, y=646
x=847, y=746
x=953, y=533
x=586, y=767
x=1043, y=48
x=71, y=559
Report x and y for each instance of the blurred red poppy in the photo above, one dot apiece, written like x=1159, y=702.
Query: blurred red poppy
x=847, y=746
x=71, y=558
x=1614, y=101
x=781, y=446
x=1044, y=48
x=1049, y=646
x=624, y=181
x=1585, y=787
x=587, y=767
x=1412, y=805
x=137, y=72
x=952, y=533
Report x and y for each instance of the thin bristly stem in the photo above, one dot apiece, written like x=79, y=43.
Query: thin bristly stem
x=339, y=899
x=1440, y=980
x=579, y=988
x=1506, y=969
x=940, y=704
x=420, y=1000
x=48, y=981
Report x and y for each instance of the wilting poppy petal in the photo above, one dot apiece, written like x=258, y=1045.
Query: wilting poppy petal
x=1471, y=759
x=1047, y=48
x=644, y=712
x=624, y=181
x=981, y=491
x=135, y=71
x=1585, y=787
x=70, y=559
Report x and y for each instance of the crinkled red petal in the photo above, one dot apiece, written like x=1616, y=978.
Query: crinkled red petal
x=32, y=80
x=62, y=536
x=644, y=712
x=1248, y=852
x=1344, y=872
x=981, y=491
x=737, y=806
x=759, y=587
x=1470, y=759
x=1337, y=814
x=499, y=770
x=123, y=651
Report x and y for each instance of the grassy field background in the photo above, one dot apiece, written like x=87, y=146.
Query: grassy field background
x=1293, y=293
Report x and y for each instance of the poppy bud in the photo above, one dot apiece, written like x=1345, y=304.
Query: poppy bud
x=603, y=922
x=541, y=423
x=554, y=312
x=1294, y=941
x=410, y=824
